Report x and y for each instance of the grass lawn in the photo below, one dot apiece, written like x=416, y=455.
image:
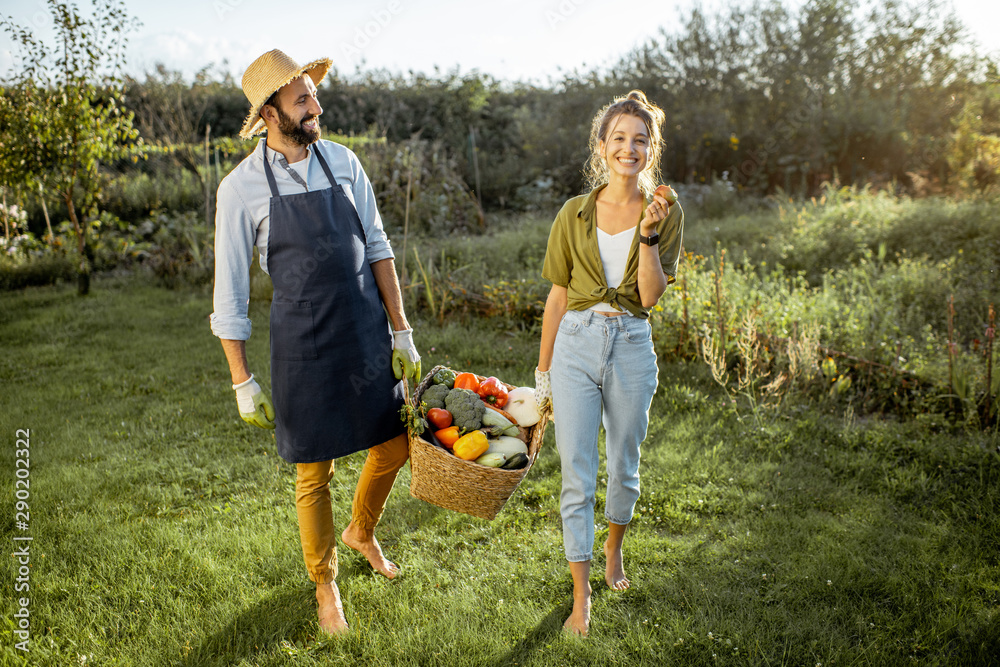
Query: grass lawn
x=164, y=530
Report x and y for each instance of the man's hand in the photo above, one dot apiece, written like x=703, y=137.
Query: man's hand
x=255, y=406
x=405, y=360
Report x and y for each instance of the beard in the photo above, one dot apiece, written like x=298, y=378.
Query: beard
x=294, y=131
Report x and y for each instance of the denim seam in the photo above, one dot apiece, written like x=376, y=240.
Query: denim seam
x=620, y=522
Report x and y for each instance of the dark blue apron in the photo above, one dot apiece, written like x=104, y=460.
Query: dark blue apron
x=332, y=384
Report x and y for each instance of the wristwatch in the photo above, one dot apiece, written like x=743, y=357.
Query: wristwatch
x=652, y=239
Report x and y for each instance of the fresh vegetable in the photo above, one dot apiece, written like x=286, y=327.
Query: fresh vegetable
x=466, y=381
x=491, y=460
x=493, y=392
x=522, y=407
x=439, y=418
x=466, y=409
x=471, y=446
x=448, y=436
x=500, y=424
x=507, y=446
x=515, y=462
x=503, y=413
x=445, y=376
x=434, y=395
x=667, y=193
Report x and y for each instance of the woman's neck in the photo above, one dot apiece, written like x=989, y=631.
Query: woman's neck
x=621, y=191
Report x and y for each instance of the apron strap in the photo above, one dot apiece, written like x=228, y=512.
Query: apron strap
x=271, y=183
x=270, y=174
x=326, y=168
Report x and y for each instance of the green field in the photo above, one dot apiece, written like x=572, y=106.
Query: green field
x=821, y=477
x=164, y=530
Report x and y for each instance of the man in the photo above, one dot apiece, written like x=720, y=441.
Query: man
x=336, y=365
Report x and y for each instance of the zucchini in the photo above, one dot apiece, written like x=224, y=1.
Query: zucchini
x=491, y=460
x=516, y=462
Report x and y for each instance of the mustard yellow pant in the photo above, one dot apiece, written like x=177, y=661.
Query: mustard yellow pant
x=312, y=503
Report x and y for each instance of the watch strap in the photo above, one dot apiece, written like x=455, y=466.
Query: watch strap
x=652, y=239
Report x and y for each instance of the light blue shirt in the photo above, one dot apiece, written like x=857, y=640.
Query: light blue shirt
x=242, y=213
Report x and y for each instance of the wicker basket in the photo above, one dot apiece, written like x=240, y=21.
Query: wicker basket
x=443, y=479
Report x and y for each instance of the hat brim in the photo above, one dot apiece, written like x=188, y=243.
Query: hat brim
x=317, y=70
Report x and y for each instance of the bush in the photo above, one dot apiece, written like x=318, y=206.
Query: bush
x=181, y=249
x=41, y=270
x=440, y=203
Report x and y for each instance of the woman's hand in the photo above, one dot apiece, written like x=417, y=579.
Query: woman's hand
x=663, y=198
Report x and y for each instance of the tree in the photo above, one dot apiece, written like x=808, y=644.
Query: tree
x=68, y=119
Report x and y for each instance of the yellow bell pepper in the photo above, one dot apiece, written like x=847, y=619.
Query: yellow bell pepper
x=471, y=446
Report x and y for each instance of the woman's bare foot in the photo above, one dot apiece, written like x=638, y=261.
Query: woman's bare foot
x=578, y=622
x=331, y=611
x=614, y=573
x=364, y=542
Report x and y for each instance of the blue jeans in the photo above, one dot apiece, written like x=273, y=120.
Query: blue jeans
x=600, y=365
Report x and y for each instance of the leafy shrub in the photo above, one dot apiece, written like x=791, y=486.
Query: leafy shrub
x=181, y=249
x=440, y=203
x=46, y=269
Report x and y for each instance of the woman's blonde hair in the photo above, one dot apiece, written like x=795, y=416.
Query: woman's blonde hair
x=633, y=104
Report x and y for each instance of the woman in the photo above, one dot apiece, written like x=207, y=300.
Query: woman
x=610, y=256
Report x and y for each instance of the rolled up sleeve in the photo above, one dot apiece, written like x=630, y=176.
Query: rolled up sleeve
x=558, y=263
x=235, y=234
x=671, y=231
x=376, y=240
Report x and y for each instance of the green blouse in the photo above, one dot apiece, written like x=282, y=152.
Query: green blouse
x=573, y=261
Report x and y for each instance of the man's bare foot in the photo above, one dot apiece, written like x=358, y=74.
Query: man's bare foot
x=614, y=573
x=331, y=611
x=578, y=622
x=364, y=542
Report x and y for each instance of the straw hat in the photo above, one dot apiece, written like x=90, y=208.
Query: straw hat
x=267, y=74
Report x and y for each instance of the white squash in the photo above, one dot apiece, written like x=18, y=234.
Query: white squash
x=507, y=445
x=522, y=407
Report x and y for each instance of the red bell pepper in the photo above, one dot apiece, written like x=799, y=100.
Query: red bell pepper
x=492, y=391
x=467, y=381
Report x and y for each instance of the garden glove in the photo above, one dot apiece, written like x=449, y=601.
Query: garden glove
x=405, y=360
x=543, y=390
x=255, y=406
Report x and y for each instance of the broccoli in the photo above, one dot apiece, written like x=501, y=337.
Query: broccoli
x=434, y=395
x=466, y=409
x=445, y=376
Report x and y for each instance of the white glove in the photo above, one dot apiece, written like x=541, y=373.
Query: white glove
x=254, y=405
x=405, y=360
x=543, y=390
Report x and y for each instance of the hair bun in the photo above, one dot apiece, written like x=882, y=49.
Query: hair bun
x=638, y=96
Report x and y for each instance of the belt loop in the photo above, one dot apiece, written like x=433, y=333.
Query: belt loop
x=587, y=316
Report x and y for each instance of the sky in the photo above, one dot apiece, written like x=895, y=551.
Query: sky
x=513, y=40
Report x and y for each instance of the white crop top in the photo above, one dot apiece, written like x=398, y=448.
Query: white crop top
x=614, y=255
